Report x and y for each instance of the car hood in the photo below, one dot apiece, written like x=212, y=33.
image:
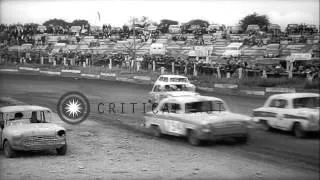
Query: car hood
x=35, y=129
x=272, y=51
x=181, y=93
x=218, y=117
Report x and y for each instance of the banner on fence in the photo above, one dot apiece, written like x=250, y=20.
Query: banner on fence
x=8, y=70
x=92, y=76
x=282, y=90
x=29, y=69
x=51, y=73
x=227, y=86
x=70, y=71
x=108, y=74
x=144, y=78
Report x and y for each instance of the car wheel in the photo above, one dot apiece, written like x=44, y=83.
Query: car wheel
x=62, y=150
x=243, y=140
x=8, y=151
x=156, y=131
x=265, y=125
x=298, y=131
x=193, y=139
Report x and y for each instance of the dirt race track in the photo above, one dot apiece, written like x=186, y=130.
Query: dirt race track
x=115, y=146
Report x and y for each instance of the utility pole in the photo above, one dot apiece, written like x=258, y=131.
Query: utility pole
x=134, y=39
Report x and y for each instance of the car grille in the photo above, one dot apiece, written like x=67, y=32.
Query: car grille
x=40, y=140
x=228, y=128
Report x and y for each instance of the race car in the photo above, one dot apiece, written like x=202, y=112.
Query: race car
x=163, y=90
x=296, y=112
x=172, y=78
x=28, y=128
x=199, y=118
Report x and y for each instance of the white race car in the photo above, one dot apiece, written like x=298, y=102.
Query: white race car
x=171, y=86
x=296, y=112
x=197, y=117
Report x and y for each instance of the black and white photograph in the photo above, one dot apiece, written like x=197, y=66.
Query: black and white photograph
x=159, y=89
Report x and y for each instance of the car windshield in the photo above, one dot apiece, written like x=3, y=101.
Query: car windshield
x=204, y=106
x=273, y=47
x=232, y=48
x=306, y=102
x=29, y=117
x=177, y=87
x=178, y=79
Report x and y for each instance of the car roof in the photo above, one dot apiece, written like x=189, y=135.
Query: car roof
x=172, y=76
x=21, y=108
x=169, y=83
x=191, y=98
x=294, y=95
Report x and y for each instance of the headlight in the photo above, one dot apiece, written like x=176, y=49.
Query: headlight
x=205, y=128
x=61, y=133
x=17, y=137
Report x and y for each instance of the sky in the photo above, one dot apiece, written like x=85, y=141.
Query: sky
x=118, y=12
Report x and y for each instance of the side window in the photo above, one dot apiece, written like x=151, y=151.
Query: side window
x=1, y=120
x=165, y=107
x=170, y=108
x=165, y=79
x=175, y=108
x=278, y=103
x=156, y=88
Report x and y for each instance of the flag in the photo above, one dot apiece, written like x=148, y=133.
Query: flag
x=99, y=15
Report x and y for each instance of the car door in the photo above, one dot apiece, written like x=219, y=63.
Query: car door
x=279, y=107
x=171, y=118
x=154, y=93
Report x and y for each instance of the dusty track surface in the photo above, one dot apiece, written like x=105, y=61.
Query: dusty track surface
x=115, y=146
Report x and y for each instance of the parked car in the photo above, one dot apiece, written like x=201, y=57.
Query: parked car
x=232, y=50
x=199, y=118
x=28, y=128
x=296, y=112
x=174, y=29
x=272, y=51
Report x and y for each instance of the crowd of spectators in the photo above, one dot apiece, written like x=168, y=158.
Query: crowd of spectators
x=20, y=34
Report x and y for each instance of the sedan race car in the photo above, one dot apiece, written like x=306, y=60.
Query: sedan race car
x=28, y=128
x=296, y=112
x=199, y=118
x=171, y=86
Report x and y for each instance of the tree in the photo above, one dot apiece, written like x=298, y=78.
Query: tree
x=56, y=22
x=199, y=22
x=80, y=22
x=260, y=20
x=141, y=22
x=165, y=23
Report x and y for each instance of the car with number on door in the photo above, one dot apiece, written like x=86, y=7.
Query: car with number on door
x=199, y=118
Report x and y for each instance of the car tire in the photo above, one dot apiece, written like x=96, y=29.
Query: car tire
x=265, y=125
x=242, y=140
x=156, y=131
x=298, y=131
x=62, y=150
x=193, y=139
x=8, y=151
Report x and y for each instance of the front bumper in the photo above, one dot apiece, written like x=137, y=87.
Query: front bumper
x=29, y=145
x=226, y=132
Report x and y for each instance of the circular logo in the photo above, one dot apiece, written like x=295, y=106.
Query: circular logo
x=73, y=107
